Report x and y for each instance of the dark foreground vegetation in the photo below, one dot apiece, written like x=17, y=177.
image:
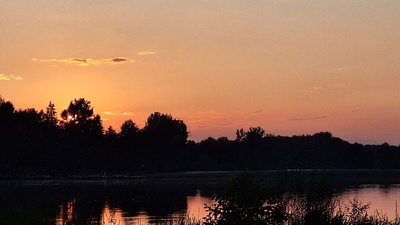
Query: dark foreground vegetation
x=245, y=201
x=36, y=142
x=248, y=202
x=294, y=198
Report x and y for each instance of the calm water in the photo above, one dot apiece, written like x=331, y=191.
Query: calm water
x=151, y=200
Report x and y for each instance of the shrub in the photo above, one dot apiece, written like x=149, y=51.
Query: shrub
x=246, y=202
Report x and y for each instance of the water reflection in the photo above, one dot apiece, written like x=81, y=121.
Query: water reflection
x=67, y=213
x=195, y=205
x=382, y=199
x=194, y=209
x=111, y=216
x=134, y=202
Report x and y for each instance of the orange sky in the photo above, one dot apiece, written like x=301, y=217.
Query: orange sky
x=292, y=67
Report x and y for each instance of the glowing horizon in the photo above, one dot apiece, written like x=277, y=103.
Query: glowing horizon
x=290, y=67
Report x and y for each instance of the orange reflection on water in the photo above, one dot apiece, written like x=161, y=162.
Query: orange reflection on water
x=67, y=213
x=195, y=205
x=111, y=216
x=382, y=200
x=141, y=218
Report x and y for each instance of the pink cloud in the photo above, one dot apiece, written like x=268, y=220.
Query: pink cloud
x=88, y=61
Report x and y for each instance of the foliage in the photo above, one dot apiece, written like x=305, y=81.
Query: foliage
x=79, y=110
x=163, y=129
x=50, y=116
x=129, y=130
x=355, y=212
x=78, y=142
x=80, y=122
x=6, y=109
x=252, y=135
x=244, y=201
x=110, y=133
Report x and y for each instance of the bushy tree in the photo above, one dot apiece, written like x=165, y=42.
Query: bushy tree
x=254, y=134
x=162, y=129
x=7, y=133
x=6, y=109
x=244, y=202
x=111, y=134
x=79, y=120
x=79, y=111
x=50, y=115
x=129, y=131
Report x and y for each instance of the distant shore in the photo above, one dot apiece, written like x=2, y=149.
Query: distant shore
x=340, y=177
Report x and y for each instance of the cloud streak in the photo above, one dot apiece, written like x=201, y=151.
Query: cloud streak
x=146, y=53
x=328, y=87
x=311, y=118
x=118, y=113
x=236, y=119
x=88, y=61
x=5, y=77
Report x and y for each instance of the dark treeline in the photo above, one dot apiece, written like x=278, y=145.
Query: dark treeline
x=36, y=142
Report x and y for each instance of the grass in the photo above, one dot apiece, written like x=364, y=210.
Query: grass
x=333, y=212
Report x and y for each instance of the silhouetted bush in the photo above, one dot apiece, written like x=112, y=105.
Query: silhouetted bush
x=245, y=201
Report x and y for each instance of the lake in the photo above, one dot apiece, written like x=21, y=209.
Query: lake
x=160, y=197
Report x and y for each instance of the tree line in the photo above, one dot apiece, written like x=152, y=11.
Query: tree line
x=37, y=142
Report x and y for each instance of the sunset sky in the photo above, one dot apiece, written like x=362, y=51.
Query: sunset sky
x=292, y=67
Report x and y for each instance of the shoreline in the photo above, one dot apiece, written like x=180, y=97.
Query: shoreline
x=193, y=174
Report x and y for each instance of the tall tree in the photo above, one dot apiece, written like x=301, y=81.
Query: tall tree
x=50, y=115
x=254, y=134
x=163, y=129
x=110, y=134
x=79, y=111
x=79, y=120
x=129, y=131
x=6, y=109
x=8, y=137
x=34, y=143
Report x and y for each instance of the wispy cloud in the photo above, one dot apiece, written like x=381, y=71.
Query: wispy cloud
x=110, y=113
x=88, y=61
x=309, y=118
x=118, y=113
x=127, y=113
x=5, y=77
x=146, y=53
x=257, y=112
x=235, y=119
x=328, y=87
x=209, y=112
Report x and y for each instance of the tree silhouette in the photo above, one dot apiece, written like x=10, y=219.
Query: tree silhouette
x=33, y=143
x=252, y=135
x=255, y=134
x=50, y=116
x=163, y=129
x=95, y=127
x=244, y=201
x=79, y=110
x=36, y=139
x=129, y=131
x=80, y=122
x=240, y=135
x=7, y=133
x=6, y=109
x=110, y=134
